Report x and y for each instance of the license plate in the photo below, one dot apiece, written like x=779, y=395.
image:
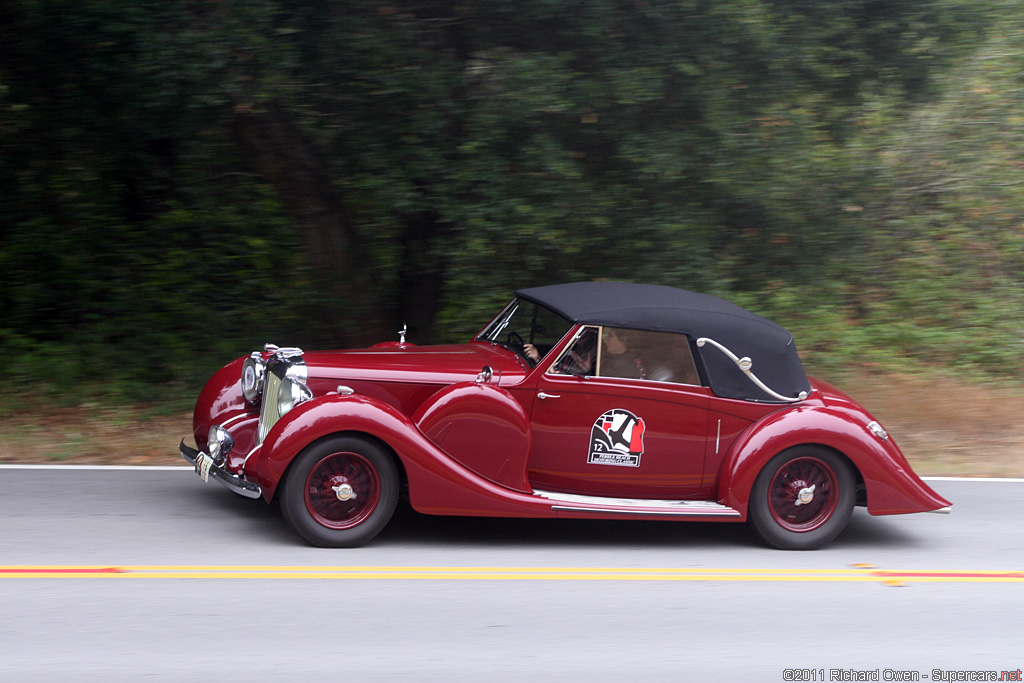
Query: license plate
x=203, y=466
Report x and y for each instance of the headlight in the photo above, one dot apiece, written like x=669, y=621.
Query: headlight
x=219, y=443
x=291, y=394
x=252, y=377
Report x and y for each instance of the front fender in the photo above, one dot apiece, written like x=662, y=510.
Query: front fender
x=221, y=402
x=313, y=420
x=437, y=483
x=890, y=484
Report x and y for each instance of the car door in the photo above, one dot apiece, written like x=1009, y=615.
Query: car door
x=642, y=435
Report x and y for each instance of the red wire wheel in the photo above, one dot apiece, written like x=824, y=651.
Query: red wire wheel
x=803, y=498
x=342, y=489
x=803, y=494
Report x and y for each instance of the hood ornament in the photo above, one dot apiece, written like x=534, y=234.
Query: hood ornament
x=283, y=352
x=402, y=332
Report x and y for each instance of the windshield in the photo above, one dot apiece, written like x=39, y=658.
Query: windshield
x=522, y=323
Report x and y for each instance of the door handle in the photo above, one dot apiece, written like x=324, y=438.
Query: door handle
x=543, y=396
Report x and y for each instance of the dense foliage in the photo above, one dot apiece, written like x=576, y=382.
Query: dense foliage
x=183, y=181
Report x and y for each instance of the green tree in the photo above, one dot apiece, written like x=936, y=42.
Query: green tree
x=186, y=178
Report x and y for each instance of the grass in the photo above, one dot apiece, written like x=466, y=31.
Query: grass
x=948, y=427
x=945, y=426
x=91, y=434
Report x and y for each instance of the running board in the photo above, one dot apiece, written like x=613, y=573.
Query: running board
x=637, y=506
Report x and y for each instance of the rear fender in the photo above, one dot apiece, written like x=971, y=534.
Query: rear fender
x=891, y=485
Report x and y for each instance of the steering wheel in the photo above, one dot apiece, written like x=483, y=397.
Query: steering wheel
x=516, y=343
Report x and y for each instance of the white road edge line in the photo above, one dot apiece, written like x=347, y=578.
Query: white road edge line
x=1009, y=480
x=186, y=468
x=146, y=468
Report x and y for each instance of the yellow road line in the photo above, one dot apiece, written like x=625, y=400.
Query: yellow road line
x=890, y=577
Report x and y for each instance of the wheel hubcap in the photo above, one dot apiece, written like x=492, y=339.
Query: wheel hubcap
x=342, y=490
x=803, y=494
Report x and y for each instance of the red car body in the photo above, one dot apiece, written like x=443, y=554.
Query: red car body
x=478, y=429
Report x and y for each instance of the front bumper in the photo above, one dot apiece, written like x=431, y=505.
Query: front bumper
x=237, y=484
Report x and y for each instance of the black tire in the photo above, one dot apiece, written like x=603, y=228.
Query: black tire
x=340, y=492
x=787, y=513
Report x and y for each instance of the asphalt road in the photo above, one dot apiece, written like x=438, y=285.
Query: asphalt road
x=152, y=575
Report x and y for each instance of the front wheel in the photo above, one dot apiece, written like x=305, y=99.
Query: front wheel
x=803, y=498
x=340, y=492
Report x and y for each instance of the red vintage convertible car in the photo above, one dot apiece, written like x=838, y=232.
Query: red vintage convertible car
x=592, y=400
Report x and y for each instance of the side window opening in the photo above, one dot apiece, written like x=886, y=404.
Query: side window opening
x=580, y=357
x=629, y=354
x=664, y=356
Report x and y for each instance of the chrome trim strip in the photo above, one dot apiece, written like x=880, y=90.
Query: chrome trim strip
x=249, y=455
x=241, y=416
x=695, y=512
x=233, y=482
x=745, y=365
x=701, y=508
x=942, y=511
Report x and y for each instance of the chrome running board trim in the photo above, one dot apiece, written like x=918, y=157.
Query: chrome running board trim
x=637, y=506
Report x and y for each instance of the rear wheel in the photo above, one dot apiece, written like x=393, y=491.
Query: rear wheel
x=340, y=492
x=803, y=498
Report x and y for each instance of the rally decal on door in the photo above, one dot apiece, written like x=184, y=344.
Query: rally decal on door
x=617, y=439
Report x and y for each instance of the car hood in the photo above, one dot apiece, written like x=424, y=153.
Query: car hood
x=414, y=364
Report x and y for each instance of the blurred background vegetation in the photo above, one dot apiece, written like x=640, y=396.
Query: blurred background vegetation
x=183, y=181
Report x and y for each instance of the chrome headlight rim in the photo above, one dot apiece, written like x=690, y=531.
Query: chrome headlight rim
x=219, y=443
x=253, y=372
x=292, y=392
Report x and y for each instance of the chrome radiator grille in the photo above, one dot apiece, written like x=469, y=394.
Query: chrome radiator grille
x=269, y=414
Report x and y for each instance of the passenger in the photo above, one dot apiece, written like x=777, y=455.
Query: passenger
x=617, y=360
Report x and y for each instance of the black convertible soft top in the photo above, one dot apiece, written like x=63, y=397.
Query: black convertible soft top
x=669, y=309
